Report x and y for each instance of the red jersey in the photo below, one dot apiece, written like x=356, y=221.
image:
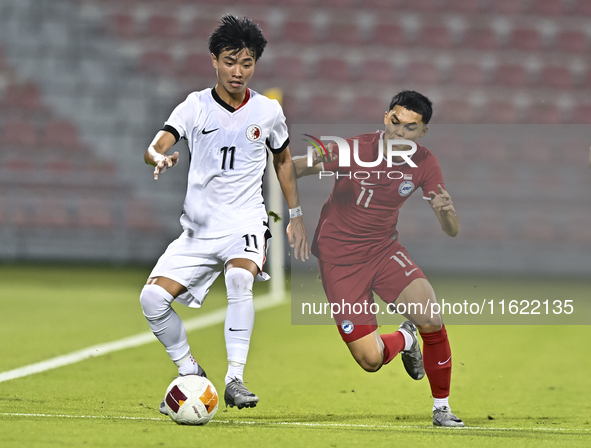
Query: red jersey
x=359, y=217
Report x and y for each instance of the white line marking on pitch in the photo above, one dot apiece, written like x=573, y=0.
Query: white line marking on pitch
x=207, y=320
x=325, y=425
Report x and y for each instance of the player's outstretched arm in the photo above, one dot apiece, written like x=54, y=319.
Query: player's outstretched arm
x=156, y=156
x=286, y=174
x=442, y=205
x=302, y=169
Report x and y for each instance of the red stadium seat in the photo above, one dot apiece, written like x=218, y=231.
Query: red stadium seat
x=337, y=4
x=50, y=211
x=163, y=27
x=344, y=33
x=139, y=215
x=557, y=77
x=19, y=134
x=481, y=39
x=470, y=74
x=511, y=75
x=544, y=114
x=455, y=111
x=502, y=112
x=299, y=31
x=533, y=149
x=508, y=6
x=334, y=69
x=525, y=39
x=202, y=27
x=326, y=107
x=61, y=134
x=290, y=68
x=582, y=8
x=377, y=70
x=157, y=62
x=22, y=98
x=581, y=114
x=95, y=213
x=436, y=36
x=423, y=5
x=548, y=7
x=369, y=108
x=122, y=25
x=390, y=35
x=464, y=6
x=198, y=64
x=573, y=41
x=422, y=72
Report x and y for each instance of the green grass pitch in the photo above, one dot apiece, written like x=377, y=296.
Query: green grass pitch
x=512, y=385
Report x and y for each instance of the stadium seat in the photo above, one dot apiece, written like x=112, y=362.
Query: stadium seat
x=525, y=39
x=19, y=134
x=537, y=225
x=60, y=134
x=94, y=213
x=465, y=6
x=369, y=109
x=573, y=41
x=581, y=114
x=344, y=33
x=50, y=211
x=389, y=34
x=197, y=64
x=202, y=27
x=377, y=70
x=422, y=72
x=501, y=112
x=21, y=99
x=481, y=38
x=337, y=4
x=533, y=149
x=327, y=107
x=544, y=114
x=139, y=215
x=470, y=74
x=548, y=7
x=582, y=8
x=511, y=75
x=163, y=27
x=452, y=111
x=424, y=6
x=557, y=77
x=334, y=69
x=436, y=36
x=449, y=146
x=299, y=31
x=122, y=25
x=508, y=7
x=158, y=62
x=290, y=67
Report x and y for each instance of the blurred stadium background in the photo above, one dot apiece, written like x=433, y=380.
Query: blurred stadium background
x=84, y=86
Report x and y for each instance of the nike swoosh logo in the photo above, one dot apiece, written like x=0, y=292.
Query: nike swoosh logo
x=444, y=362
x=367, y=183
x=207, y=132
x=253, y=251
x=237, y=329
x=410, y=272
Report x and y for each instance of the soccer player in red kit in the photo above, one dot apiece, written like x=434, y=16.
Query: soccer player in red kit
x=356, y=243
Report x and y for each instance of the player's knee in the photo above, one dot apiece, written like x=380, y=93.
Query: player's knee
x=239, y=283
x=153, y=300
x=370, y=362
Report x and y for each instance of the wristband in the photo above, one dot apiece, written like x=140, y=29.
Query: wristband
x=295, y=212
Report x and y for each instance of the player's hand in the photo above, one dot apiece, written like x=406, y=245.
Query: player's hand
x=317, y=157
x=441, y=201
x=163, y=162
x=298, y=238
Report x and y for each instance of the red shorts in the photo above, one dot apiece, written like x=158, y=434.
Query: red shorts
x=352, y=287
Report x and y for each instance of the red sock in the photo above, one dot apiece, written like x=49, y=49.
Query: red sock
x=393, y=344
x=437, y=362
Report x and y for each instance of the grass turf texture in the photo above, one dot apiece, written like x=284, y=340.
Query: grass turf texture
x=512, y=385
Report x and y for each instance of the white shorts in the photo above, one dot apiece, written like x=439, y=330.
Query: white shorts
x=195, y=263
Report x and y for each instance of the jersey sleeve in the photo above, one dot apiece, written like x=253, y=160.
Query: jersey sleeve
x=433, y=176
x=182, y=118
x=278, y=139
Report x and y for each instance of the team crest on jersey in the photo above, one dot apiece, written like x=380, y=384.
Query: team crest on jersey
x=406, y=188
x=254, y=133
x=347, y=326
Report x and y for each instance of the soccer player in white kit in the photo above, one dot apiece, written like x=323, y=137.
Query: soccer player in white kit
x=228, y=129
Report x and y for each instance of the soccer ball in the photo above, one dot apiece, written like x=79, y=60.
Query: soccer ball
x=191, y=400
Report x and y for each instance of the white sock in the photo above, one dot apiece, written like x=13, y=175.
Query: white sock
x=407, y=340
x=439, y=402
x=235, y=370
x=188, y=366
x=239, y=319
x=165, y=322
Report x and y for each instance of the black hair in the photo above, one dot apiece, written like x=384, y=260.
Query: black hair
x=236, y=34
x=414, y=102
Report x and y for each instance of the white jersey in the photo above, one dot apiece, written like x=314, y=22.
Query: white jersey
x=228, y=149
